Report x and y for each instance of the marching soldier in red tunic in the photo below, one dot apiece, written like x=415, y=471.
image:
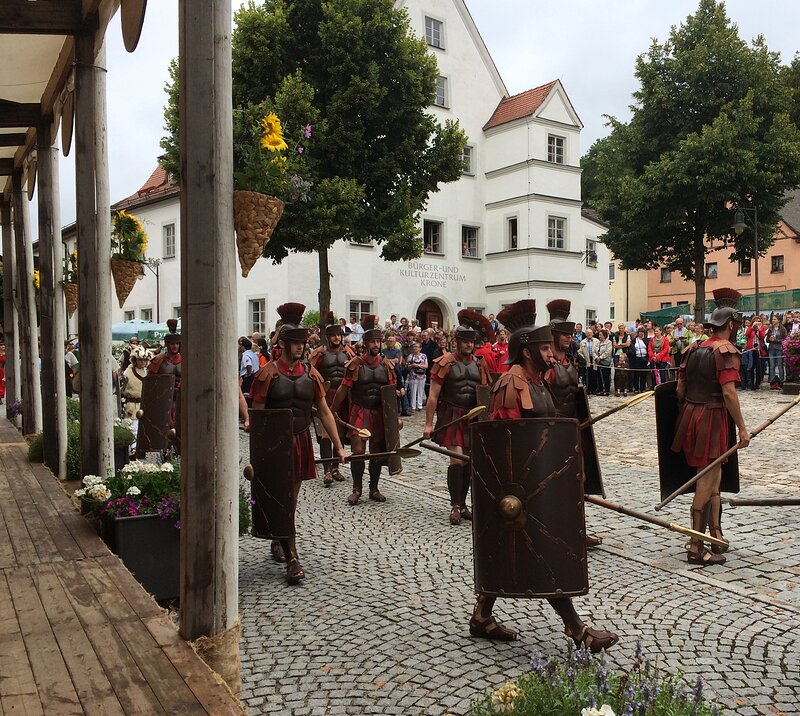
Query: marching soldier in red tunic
x=709, y=409
x=455, y=378
x=289, y=382
x=484, y=340
x=364, y=378
x=562, y=378
x=169, y=363
x=330, y=361
x=523, y=393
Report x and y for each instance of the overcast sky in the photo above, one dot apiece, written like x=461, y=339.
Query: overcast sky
x=590, y=45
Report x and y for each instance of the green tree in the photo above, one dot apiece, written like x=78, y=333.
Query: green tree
x=709, y=130
x=378, y=153
x=791, y=75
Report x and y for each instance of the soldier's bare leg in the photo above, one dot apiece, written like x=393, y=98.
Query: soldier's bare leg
x=376, y=445
x=456, y=478
x=326, y=450
x=356, y=469
x=706, y=488
x=294, y=570
x=483, y=624
x=582, y=634
x=335, y=474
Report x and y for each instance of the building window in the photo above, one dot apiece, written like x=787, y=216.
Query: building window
x=591, y=253
x=745, y=266
x=666, y=304
x=176, y=311
x=441, y=92
x=711, y=270
x=432, y=237
x=513, y=234
x=555, y=149
x=591, y=317
x=359, y=309
x=146, y=314
x=434, y=32
x=777, y=264
x=129, y=316
x=612, y=312
x=556, y=232
x=257, y=310
x=612, y=273
x=666, y=275
x=682, y=303
x=168, y=236
x=366, y=241
x=469, y=241
x=468, y=159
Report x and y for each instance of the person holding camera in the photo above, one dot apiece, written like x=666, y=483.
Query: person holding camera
x=416, y=367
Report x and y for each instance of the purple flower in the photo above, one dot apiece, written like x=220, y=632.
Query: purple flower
x=308, y=131
x=300, y=149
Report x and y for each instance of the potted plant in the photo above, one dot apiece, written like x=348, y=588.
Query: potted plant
x=128, y=246
x=37, y=283
x=268, y=172
x=70, y=282
x=123, y=438
x=791, y=364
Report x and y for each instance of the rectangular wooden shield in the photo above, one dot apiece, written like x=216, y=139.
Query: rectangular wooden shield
x=272, y=459
x=528, y=528
x=157, y=395
x=483, y=394
x=593, y=484
x=391, y=426
x=673, y=470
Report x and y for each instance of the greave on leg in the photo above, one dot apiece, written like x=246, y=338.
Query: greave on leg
x=454, y=486
x=357, y=471
x=715, y=523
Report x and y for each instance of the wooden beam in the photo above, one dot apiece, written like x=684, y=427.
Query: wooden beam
x=6, y=167
x=43, y=17
x=12, y=140
x=10, y=318
x=17, y=114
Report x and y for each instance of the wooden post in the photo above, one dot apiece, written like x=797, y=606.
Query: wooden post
x=51, y=267
x=29, y=337
x=94, y=266
x=9, y=307
x=209, y=435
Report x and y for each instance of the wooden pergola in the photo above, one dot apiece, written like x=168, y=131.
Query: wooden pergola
x=53, y=78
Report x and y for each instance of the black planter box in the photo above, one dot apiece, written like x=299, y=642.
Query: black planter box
x=121, y=457
x=150, y=549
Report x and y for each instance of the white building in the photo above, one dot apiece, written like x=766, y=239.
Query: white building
x=510, y=228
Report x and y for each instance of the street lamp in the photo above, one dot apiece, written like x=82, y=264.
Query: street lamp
x=739, y=225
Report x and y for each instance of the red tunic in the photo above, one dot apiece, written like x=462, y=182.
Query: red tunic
x=457, y=434
x=489, y=357
x=361, y=417
x=702, y=429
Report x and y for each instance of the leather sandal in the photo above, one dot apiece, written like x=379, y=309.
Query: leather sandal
x=294, y=571
x=592, y=541
x=466, y=513
x=595, y=640
x=455, y=515
x=704, y=558
x=354, y=497
x=718, y=548
x=336, y=475
x=491, y=629
x=277, y=552
x=376, y=495
x=327, y=480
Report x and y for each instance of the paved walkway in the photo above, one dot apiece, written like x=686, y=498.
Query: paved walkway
x=380, y=624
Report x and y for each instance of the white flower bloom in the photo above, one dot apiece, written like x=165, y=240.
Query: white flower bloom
x=503, y=698
x=100, y=493
x=604, y=710
x=90, y=480
x=167, y=467
x=133, y=491
x=81, y=492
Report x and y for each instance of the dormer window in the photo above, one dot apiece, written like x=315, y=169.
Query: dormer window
x=555, y=149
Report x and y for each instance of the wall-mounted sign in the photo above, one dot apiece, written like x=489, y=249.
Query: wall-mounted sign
x=432, y=275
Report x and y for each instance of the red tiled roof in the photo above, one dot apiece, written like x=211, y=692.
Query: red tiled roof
x=519, y=105
x=159, y=186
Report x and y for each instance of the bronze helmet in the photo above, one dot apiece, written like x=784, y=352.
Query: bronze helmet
x=559, y=312
x=371, y=330
x=478, y=323
x=291, y=317
x=173, y=336
x=520, y=320
x=332, y=327
x=727, y=300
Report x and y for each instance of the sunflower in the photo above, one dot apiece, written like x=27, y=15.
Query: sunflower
x=272, y=138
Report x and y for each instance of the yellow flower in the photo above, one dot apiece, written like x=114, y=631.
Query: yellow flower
x=36, y=279
x=272, y=138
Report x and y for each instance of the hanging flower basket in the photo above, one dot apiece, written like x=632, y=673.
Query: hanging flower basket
x=71, y=297
x=125, y=273
x=255, y=217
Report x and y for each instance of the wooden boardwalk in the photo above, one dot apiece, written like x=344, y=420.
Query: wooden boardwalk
x=78, y=634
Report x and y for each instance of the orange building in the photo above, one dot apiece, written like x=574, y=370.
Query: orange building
x=778, y=269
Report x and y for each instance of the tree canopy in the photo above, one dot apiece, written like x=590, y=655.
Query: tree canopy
x=709, y=130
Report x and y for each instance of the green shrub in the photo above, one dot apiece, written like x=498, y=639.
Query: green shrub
x=123, y=433
x=582, y=683
x=36, y=448
x=73, y=409
x=73, y=450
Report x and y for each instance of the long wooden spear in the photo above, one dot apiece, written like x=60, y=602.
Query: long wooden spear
x=474, y=413
x=621, y=406
x=686, y=485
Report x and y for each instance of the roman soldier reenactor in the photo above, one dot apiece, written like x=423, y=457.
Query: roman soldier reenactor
x=330, y=360
x=508, y=514
x=709, y=415
x=562, y=378
x=365, y=377
x=455, y=378
x=169, y=363
x=484, y=340
x=291, y=383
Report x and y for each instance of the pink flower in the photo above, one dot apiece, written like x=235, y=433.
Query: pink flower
x=300, y=149
x=308, y=131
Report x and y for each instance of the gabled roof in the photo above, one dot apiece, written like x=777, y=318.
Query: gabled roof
x=791, y=212
x=159, y=186
x=527, y=104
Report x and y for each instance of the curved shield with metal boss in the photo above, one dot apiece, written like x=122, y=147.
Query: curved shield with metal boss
x=673, y=470
x=483, y=395
x=157, y=396
x=528, y=527
x=391, y=427
x=591, y=462
x=272, y=459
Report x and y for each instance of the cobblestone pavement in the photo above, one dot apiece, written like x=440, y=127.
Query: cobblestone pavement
x=379, y=626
